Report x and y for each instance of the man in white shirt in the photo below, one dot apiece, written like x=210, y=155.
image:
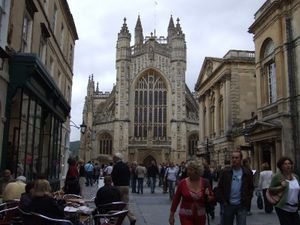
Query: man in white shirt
x=108, y=169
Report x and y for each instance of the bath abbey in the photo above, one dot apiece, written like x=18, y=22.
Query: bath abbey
x=150, y=114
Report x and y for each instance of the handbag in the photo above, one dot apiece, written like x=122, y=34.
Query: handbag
x=259, y=201
x=273, y=198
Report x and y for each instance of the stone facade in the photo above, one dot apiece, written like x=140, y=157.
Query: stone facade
x=150, y=113
x=226, y=90
x=4, y=75
x=37, y=50
x=276, y=131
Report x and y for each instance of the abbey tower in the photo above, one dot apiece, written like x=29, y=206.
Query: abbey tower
x=150, y=114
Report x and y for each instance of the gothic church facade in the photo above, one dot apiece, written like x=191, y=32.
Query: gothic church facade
x=150, y=114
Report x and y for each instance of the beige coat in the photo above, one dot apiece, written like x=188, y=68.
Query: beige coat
x=13, y=190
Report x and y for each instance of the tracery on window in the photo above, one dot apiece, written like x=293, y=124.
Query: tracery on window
x=105, y=144
x=150, y=113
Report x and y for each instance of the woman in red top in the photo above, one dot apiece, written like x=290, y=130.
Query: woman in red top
x=72, y=185
x=194, y=192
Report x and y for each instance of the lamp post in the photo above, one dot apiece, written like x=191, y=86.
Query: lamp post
x=83, y=131
x=82, y=128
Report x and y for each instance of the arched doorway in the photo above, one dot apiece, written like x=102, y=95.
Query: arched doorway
x=147, y=161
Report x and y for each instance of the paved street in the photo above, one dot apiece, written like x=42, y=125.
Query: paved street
x=153, y=209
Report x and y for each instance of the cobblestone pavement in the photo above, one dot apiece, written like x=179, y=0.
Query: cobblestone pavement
x=153, y=209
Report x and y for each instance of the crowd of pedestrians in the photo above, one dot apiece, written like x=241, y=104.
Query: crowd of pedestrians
x=193, y=186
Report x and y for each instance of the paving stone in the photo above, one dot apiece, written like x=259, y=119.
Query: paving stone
x=153, y=209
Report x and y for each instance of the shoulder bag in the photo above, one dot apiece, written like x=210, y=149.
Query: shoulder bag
x=273, y=198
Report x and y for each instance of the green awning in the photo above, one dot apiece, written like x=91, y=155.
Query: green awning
x=28, y=72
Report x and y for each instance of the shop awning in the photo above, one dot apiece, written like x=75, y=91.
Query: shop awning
x=28, y=72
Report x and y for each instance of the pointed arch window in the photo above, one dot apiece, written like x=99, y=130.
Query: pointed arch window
x=105, y=144
x=150, y=106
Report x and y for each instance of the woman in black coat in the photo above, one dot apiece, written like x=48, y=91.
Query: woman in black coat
x=42, y=201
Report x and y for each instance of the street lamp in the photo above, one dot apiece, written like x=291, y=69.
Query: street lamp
x=83, y=129
x=82, y=126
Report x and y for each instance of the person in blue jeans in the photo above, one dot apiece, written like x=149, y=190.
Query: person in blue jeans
x=152, y=173
x=140, y=173
x=89, y=169
x=171, y=177
x=236, y=190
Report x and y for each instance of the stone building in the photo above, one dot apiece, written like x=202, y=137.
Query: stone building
x=226, y=90
x=150, y=114
x=276, y=131
x=37, y=49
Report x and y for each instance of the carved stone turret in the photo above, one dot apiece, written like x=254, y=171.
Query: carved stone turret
x=91, y=86
x=138, y=35
x=178, y=30
x=171, y=29
x=178, y=45
x=123, y=43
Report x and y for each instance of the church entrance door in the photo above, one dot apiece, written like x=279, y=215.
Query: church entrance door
x=147, y=161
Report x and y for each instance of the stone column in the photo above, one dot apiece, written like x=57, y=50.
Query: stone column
x=260, y=155
x=277, y=150
x=207, y=114
x=2, y=122
x=201, y=118
x=227, y=104
x=217, y=110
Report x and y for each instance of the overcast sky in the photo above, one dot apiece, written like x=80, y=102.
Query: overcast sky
x=211, y=29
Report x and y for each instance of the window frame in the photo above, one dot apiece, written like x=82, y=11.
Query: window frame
x=26, y=33
x=150, y=106
x=268, y=70
x=4, y=18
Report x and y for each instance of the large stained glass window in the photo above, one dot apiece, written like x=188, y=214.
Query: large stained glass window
x=150, y=112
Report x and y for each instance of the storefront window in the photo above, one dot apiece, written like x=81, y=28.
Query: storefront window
x=35, y=138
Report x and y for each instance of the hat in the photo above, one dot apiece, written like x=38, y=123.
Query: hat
x=21, y=178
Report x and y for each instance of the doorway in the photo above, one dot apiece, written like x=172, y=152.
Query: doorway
x=147, y=161
x=267, y=149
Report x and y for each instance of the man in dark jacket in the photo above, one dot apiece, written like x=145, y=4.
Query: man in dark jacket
x=107, y=193
x=152, y=173
x=121, y=176
x=236, y=189
x=210, y=207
